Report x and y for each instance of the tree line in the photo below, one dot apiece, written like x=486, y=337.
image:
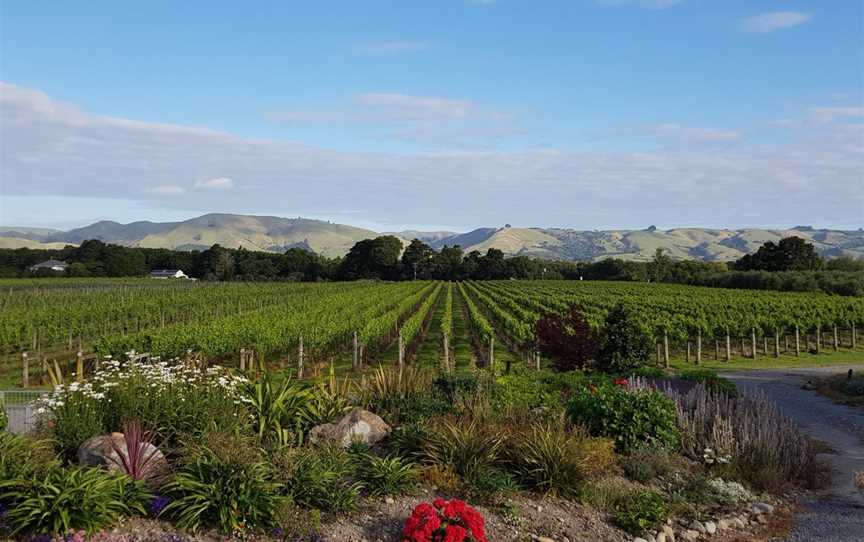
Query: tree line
x=790, y=264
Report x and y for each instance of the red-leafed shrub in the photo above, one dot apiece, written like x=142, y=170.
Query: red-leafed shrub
x=568, y=339
x=444, y=521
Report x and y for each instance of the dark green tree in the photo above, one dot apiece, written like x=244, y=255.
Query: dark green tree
x=417, y=260
x=373, y=259
x=626, y=344
x=790, y=254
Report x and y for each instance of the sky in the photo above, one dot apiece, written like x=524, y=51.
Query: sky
x=435, y=114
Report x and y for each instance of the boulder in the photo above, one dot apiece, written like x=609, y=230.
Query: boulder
x=358, y=425
x=99, y=451
x=670, y=534
x=710, y=527
x=690, y=535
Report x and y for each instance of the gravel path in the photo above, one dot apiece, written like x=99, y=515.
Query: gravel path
x=836, y=514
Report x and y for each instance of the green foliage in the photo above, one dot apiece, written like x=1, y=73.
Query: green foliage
x=22, y=457
x=74, y=498
x=471, y=448
x=224, y=491
x=279, y=408
x=710, y=379
x=626, y=344
x=321, y=477
x=640, y=512
x=632, y=418
x=408, y=440
x=550, y=459
x=4, y=420
x=453, y=386
x=386, y=475
x=647, y=464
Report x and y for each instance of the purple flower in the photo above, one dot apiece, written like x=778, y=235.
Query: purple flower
x=157, y=504
x=278, y=532
x=173, y=537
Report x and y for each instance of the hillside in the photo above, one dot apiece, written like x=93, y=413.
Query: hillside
x=270, y=233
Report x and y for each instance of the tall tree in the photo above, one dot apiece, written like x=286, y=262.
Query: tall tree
x=417, y=260
x=790, y=254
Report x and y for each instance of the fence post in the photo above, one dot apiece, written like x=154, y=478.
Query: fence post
x=728, y=347
x=79, y=366
x=797, y=341
x=355, y=361
x=25, y=370
x=537, y=360
x=446, y=345
x=776, y=342
x=242, y=359
x=836, y=338
x=666, y=348
x=492, y=354
x=753, y=343
x=401, y=351
x=300, y=358
x=698, y=347
x=819, y=340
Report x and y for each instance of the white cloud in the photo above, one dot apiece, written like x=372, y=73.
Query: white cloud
x=390, y=47
x=691, y=134
x=648, y=4
x=775, y=20
x=824, y=115
x=167, y=190
x=403, y=106
x=216, y=183
x=50, y=150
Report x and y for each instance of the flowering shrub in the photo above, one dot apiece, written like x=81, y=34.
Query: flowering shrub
x=180, y=400
x=633, y=418
x=444, y=521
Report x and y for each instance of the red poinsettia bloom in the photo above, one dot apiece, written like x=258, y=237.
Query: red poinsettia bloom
x=444, y=521
x=621, y=382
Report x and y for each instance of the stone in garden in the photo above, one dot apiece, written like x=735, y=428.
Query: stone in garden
x=670, y=534
x=710, y=527
x=99, y=451
x=358, y=425
x=638, y=539
x=661, y=537
x=725, y=524
x=696, y=525
x=690, y=535
x=762, y=518
x=762, y=508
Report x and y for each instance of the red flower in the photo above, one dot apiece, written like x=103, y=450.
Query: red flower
x=454, y=533
x=621, y=382
x=439, y=503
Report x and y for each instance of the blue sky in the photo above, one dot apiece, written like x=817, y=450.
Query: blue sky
x=436, y=114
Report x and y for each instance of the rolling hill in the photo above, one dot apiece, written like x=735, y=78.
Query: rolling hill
x=270, y=233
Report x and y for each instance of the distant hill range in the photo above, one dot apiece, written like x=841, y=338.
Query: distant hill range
x=275, y=234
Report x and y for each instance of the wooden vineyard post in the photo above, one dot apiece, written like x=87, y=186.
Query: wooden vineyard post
x=446, y=345
x=665, y=349
x=819, y=340
x=25, y=370
x=698, y=347
x=728, y=347
x=242, y=359
x=688, y=352
x=752, y=343
x=492, y=354
x=401, y=352
x=836, y=338
x=797, y=341
x=300, y=358
x=79, y=366
x=355, y=360
x=776, y=343
x=537, y=360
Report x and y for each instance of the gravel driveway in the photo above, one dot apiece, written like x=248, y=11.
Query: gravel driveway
x=836, y=514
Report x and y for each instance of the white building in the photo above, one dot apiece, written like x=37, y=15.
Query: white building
x=168, y=274
x=53, y=265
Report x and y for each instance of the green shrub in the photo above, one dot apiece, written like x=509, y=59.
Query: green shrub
x=4, y=420
x=320, y=477
x=386, y=475
x=467, y=446
x=399, y=410
x=22, y=457
x=710, y=379
x=640, y=512
x=408, y=440
x=550, y=459
x=223, y=490
x=632, y=418
x=626, y=344
x=278, y=408
x=647, y=464
x=453, y=386
x=74, y=498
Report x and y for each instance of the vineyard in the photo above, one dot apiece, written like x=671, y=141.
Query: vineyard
x=355, y=324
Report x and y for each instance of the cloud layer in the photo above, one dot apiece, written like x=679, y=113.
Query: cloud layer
x=53, y=149
x=775, y=20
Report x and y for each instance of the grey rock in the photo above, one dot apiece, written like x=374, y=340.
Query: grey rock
x=696, y=525
x=670, y=534
x=639, y=539
x=710, y=527
x=358, y=425
x=762, y=508
x=101, y=451
x=661, y=537
x=690, y=535
x=725, y=524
